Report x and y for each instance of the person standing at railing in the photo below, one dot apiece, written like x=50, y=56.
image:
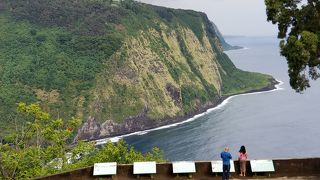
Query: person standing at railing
x=226, y=157
x=243, y=156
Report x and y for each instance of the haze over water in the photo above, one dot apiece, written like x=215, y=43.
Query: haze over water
x=278, y=124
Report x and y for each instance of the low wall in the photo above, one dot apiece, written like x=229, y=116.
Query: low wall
x=283, y=168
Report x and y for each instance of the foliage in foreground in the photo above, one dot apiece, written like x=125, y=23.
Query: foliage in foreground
x=299, y=23
x=39, y=147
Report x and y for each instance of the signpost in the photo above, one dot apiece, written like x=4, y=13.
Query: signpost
x=105, y=169
x=140, y=168
x=184, y=167
x=217, y=166
x=262, y=166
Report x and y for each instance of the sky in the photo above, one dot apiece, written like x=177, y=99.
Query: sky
x=233, y=17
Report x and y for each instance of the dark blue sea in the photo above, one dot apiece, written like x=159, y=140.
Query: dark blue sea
x=276, y=124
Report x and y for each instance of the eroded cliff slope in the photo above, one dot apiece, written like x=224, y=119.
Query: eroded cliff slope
x=121, y=66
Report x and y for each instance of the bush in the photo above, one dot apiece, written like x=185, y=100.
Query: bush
x=38, y=147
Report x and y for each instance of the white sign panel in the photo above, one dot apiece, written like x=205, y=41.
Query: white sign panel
x=144, y=167
x=184, y=167
x=105, y=169
x=217, y=166
x=262, y=166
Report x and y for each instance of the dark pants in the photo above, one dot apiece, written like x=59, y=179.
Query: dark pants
x=226, y=171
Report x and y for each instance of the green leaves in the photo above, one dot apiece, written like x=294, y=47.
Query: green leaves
x=281, y=12
x=300, y=53
x=35, y=143
x=310, y=42
x=123, y=154
x=302, y=44
x=39, y=147
x=86, y=154
x=58, y=68
x=33, y=110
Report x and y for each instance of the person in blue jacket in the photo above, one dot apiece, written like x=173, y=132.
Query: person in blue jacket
x=226, y=157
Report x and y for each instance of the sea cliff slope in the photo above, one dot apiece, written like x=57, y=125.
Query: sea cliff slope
x=121, y=66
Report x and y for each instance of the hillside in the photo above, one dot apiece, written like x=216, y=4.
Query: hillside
x=121, y=66
x=226, y=46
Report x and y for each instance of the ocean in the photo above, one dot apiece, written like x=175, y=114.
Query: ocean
x=274, y=124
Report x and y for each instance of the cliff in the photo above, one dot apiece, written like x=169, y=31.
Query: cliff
x=226, y=46
x=121, y=66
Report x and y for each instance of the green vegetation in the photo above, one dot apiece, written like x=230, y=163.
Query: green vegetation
x=125, y=97
x=211, y=92
x=44, y=46
x=192, y=20
x=38, y=147
x=93, y=58
x=299, y=27
x=189, y=96
x=83, y=17
x=237, y=81
x=48, y=59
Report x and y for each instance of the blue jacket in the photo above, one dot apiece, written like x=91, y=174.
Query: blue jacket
x=226, y=157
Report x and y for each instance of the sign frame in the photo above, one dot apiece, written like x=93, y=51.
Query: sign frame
x=183, y=167
x=262, y=166
x=147, y=167
x=216, y=166
x=108, y=169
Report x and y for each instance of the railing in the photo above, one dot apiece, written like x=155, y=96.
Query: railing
x=195, y=170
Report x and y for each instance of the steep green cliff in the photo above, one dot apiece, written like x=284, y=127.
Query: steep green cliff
x=223, y=43
x=121, y=66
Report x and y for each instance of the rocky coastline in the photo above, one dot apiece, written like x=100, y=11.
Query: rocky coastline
x=94, y=130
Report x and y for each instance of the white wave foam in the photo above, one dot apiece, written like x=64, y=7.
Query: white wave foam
x=278, y=86
x=141, y=133
x=220, y=106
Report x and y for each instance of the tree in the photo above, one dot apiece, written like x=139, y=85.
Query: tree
x=86, y=154
x=39, y=147
x=35, y=143
x=299, y=28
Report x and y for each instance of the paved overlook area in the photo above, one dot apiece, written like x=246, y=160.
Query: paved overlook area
x=283, y=178
x=298, y=169
x=218, y=178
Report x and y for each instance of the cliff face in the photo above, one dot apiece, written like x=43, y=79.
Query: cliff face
x=121, y=67
x=226, y=46
x=158, y=81
x=169, y=75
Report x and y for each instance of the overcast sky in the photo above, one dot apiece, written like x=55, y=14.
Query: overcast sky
x=233, y=17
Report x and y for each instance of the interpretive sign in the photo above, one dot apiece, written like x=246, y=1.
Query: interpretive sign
x=217, y=166
x=105, y=169
x=183, y=167
x=262, y=166
x=144, y=167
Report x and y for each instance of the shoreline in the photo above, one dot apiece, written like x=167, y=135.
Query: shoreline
x=236, y=48
x=274, y=86
x=240, y=49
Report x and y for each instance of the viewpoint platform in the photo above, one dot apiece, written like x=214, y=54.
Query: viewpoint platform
x=277, y=169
